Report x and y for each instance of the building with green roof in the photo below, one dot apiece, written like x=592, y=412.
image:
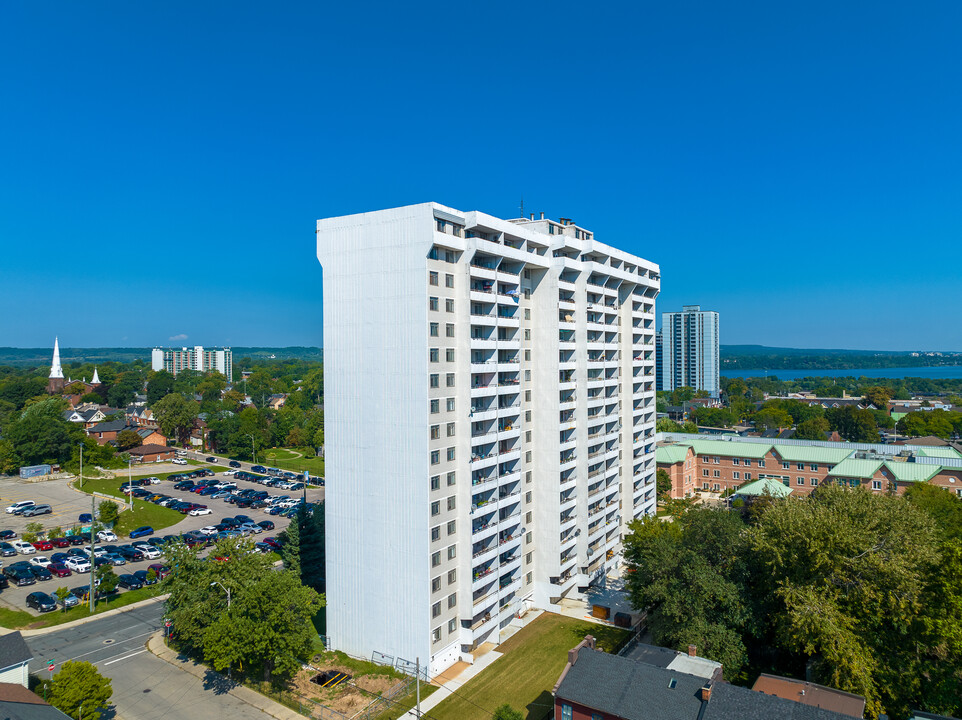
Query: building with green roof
x=763, y=486
x=853, y=468
x=671, y=454
x=912, y=472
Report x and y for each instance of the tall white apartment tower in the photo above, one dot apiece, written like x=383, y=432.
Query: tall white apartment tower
x=689, y=354
x=196, y=358
x=489, y=402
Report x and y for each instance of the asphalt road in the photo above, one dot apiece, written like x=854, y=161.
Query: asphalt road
x=145, y=687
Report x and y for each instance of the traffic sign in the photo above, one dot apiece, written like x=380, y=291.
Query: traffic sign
x=50, y=667
x=168, y=624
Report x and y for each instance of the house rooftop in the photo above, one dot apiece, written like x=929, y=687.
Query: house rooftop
x=13, y=650
x=809, y=693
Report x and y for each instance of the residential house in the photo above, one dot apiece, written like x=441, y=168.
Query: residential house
x=151, y=453
x=15, y=658
x=809, y=693
x=276, y=402
x=18, y=703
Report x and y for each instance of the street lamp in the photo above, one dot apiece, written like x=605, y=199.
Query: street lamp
x=226, y=590
x=253, y=454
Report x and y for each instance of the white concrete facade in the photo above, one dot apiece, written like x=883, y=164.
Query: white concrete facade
x=689, y=354
x=196, y=358
x=489, y=421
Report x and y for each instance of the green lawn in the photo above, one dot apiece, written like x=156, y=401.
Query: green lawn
x=532, y=663
x=144, y=513
x=13, y=619
x=284, y=459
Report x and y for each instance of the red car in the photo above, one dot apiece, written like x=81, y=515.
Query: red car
x=60, y=542
x=59, y=569
x=162, y=571
x=43, y=545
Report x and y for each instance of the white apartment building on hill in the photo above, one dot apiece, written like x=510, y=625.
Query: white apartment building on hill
x=194, y=358
x=489, y=418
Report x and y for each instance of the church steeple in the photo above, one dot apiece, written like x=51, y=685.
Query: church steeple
x=55, y=370
x=95, y=380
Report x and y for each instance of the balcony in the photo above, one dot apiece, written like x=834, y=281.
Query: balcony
x=482, y=272
x=488, y=390
x=483, y=578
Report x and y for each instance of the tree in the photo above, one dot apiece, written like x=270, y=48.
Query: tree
x=124, y=388
x=291, y=548
x=506, y=712
x=32, y=531
x=714, y=417
x=78, y=684
x=689, y=427
x=667, y=425
x=160, y=384
x=127, y=439
x=312, y=546
x=106, y=579
x=772, y=419
x=176, y=415
x=914, y=425
x=878, y=396
x=267, y=627
x=682, y=395
x=108, y=512
x=41, y=434
x=92, y=397
x=62, y=593
x=812, y=429
x=662, y=483
x=853, y=424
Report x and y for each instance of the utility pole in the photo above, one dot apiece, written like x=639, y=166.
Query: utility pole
x=417, y=680
x=93, y=540
x=81, y=466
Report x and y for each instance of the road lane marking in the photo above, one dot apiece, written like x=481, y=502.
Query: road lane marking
x=101, y=649
x=125, y=657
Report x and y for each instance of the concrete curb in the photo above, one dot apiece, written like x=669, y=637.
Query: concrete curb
x=156, y=645
x=98, y=616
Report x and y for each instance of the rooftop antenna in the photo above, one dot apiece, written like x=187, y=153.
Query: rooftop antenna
x=522, y=206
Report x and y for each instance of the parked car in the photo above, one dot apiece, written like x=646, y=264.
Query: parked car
x=69, y=600
x=266, y=525
x=41, y=573
x=7, y=550
x=77, y=539
x=129, y=581
x=77, y=565
x=59, y=570
x=149, y=551
x=114, y=559
x=21, y=506
x=199, y=511
x=234, y=464
x=129, y=553
x=60, y=542
x=208, y=530
x=59, y=557
x=24, y=548
x=263, y=548
x=250, y=528
x=106, y=536
x=151, y=481
x=142, y=531
x=35, y=510
x=145, y=577
x=273, y=542
x=19, y=576
x=7, y=534
x=161, y=570
x=40, y=561
x=85, y=518
x=179, y=461
x=41, y=602
x=43, y=545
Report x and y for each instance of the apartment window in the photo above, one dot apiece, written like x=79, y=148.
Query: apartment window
x=527, y=334
x=435, y=533
x=527, y=436
x=449, y=380
x=435, y=559
x=452, y=626
x=716, y=460
x=800, y=466
x=527, y=375
x=748, y=476
x=876, y=484
x=704, y=486
x=761, y=463
x=565, y=711
x=435, y=432
x=449, y=306
x=528, y=578
x=705, y=472
x=435, y=457
x=527, y=478
x=450, y=453
x=452, y=552
x=449, y=330
x=799, y=481
x=527, y=416
x=717, y=487
x=451, y=502
x=735, y=475
x=717, y=473
x=451, y=479
x=527, y=396
x=434, y=329
x=527, y=355
x=527, y=559
x=452, y=577
x=435, y=406
x=527, y=313
x=527, y=293
x=528, y=538
x=435, y=380
x=813, y=467
x=527, y=517
x=435, y=508
x=436, y=635
x=786, y=466
x=449, y=354
x=452, y=527
x=435, y=584
x=435, y=482
x=735, y=461
x=433, y=277
x=450, y=429
x=527, y=497
x=813, y=481
x=435, y=354
x=436, y=610
x=527, y=456
x=432, y=303
x=452, y=600
x=450, y=404
x=448, y=280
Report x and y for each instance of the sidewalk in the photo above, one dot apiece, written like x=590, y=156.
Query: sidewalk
x=156, y=645
x=92, y=618
x=455, y=683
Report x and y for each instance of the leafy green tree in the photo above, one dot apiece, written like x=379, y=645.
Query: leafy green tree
x=682, y=395
x=108, y=512
x=124, y=388
x=913, y=425
x=714, y=417
x=662, y=483
x=159, y=385
x=32, y=531
x=291, y=548
x=41, y=434
x=812, y=429
x=853, y=424
x=9, y=460
x=176, y=415
x=667, y=425
x=267, y=627
x=313, y=552
x=62, y=593
x=689, y=427
x=878, y=396
x=772, y=419
x=127, y=439
x=106, y=579
x=506, y=712
x=92, y=397
x=78, y=684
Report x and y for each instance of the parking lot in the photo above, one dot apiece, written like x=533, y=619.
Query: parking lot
x=67, y=505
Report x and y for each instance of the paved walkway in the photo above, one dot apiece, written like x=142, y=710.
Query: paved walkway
x=156, y=645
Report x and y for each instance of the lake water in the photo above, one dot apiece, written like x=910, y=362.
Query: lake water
x=943, y=372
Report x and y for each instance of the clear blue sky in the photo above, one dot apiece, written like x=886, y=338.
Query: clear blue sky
x=797, y=167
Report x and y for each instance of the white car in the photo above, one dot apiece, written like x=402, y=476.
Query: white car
x=77, y=564
x=24, y=548
x=179, y=461
x=40, y=560
x=149, y=551
x=106, y=536
x=229, y=473
x=226, y=486
x=199, y=511
x=19, y=506
x=152, y=481
x=251, y=529
x=209, y=530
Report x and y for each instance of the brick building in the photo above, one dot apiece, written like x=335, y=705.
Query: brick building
x=696, y=464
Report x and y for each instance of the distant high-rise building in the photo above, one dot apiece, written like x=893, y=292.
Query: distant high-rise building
x=659, y=352
x=689, y=355
x=490, y=409
x=195, y=358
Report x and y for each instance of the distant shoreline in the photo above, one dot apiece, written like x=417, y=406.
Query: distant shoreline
x=933, y=372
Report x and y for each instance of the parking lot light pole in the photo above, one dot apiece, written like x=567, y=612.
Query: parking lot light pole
x=226, y=590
